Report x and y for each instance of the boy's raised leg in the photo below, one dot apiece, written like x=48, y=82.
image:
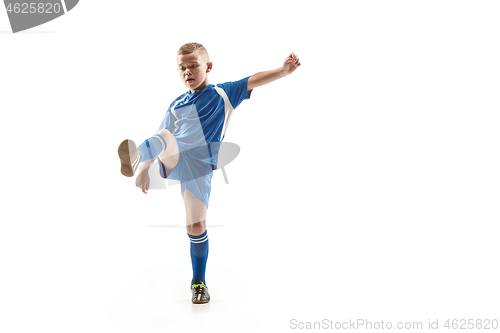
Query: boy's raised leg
x=131, y=155
x=170, y=156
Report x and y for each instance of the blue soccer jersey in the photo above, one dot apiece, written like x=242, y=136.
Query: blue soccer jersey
x=198, y=121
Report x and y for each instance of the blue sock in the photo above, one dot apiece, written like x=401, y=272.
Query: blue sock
x=152, y=147
x=199, y=255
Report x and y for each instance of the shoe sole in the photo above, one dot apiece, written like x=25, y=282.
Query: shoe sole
x=199, y=302
x=125, y=150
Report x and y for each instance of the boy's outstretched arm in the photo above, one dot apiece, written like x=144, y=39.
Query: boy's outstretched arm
x=259, y=79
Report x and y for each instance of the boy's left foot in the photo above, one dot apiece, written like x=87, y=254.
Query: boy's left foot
x=200, y=292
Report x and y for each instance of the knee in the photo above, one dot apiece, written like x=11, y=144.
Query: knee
x=196, y=229
x=165, y=133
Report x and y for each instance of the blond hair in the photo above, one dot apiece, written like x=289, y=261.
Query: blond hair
x=191, y=47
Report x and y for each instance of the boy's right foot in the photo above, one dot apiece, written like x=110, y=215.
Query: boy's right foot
x=130, y=157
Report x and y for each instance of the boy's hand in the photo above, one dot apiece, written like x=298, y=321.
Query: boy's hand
x=142, y=180
x=259, y=79
x=291, y=64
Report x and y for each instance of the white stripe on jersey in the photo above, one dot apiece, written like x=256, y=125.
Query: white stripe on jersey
x=173, y=112
x=228, y=110
x=173, y=107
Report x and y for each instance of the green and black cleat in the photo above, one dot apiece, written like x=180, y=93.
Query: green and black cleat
x=200, y=292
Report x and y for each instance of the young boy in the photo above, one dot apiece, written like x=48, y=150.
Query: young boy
x=187, y=144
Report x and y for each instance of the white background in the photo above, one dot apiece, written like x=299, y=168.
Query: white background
x=367, y=186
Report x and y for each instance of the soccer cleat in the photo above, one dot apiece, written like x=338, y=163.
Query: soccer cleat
x=129, y=157
x=200, y=292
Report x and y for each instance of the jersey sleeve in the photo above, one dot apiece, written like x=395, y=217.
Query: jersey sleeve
x=236, y=91
x=169, y=120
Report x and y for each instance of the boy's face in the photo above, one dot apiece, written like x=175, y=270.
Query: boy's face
x=193, y=70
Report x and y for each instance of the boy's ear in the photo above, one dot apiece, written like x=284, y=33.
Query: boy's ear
x=209, y=66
